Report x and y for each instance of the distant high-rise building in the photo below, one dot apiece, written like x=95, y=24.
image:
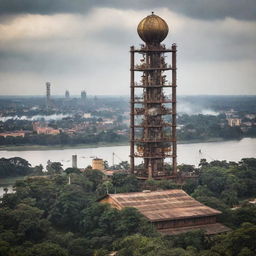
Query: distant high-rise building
x=67, y=95
x=83, y=97
x=48, y=94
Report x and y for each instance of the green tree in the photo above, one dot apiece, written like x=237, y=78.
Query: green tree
x=229, y=197
x=123, y=182
x=5, y=249
x=202, y=191
x=47, y=249
x=14, y=166
x=238, y=242
x=72, y=170
x=94, y=176
x=54, y=168
x=66, y=210
x=215, y=178
x=27, y=220
x=79, y=247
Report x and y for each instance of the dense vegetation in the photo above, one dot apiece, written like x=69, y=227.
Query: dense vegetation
x=49, y=216
x=14, y=166
x=205, y=127
x=65, y=139
x=193, y=127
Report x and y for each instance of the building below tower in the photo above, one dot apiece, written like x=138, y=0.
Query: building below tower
x=171, y=211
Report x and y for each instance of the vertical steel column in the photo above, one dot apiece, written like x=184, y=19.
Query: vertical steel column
x=132, y=111
x=174, y=140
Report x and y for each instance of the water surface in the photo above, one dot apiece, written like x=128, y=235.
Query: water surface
x=187, y=153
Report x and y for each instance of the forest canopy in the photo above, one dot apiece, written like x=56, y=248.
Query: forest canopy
x=49, y=215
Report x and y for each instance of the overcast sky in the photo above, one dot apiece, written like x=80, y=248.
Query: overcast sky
x=84, y=45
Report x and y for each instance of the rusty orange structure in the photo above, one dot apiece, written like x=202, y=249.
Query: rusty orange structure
x=153, y=103
x=171, y=211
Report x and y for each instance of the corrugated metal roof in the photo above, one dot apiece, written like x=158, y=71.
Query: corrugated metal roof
x=209, y=229
x=164, y=205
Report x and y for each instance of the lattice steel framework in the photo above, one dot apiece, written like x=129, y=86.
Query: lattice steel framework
x=153, y=112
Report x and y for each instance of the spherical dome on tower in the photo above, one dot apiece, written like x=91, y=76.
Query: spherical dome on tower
x=152, y=29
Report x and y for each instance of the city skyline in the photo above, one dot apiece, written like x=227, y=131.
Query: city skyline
x=79, y=45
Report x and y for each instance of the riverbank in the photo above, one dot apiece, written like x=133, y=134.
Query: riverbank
x=189, y=153
x=97, y=145
x=10, y=180
x=60, y=147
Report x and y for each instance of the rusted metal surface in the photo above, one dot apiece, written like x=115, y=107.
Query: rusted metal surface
x=152, y=29
x=153, y=102
x=157, y=206
x=174, y=117
x=209, y=229
x=132, y=131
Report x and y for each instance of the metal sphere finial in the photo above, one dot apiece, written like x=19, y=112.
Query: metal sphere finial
x=153, y=29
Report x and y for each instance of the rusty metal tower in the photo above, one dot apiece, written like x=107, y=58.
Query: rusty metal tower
x=153, y=103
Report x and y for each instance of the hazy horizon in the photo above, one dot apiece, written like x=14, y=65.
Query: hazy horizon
x=124, y=95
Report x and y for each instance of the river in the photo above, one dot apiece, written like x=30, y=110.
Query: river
x=187, y=153
x=191, y=153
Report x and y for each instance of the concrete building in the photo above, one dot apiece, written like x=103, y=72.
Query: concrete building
x=41, y=128
x=83, y=97
x=47, y=130
x=74, y=161
x=250, y=116
x=87, y=115
x=13, y=134
x=234, y=122
x=171, y=211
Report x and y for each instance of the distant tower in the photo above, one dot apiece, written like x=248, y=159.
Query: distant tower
x=83, y=96
x=67, y=95
x=74, y=161
x=98, y=164
x=48, y=95
x=153, y=103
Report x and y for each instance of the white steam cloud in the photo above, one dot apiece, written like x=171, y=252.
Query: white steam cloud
x=35, y=118
x=190, y=109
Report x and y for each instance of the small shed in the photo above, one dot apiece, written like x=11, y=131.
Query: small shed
x=171, y=211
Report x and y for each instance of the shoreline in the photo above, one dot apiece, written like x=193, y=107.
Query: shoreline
x=63, y=147
x=8, y=181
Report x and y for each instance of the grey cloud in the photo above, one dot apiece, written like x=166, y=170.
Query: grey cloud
x=213, y=52
x=116, y=37
x=202, y=9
